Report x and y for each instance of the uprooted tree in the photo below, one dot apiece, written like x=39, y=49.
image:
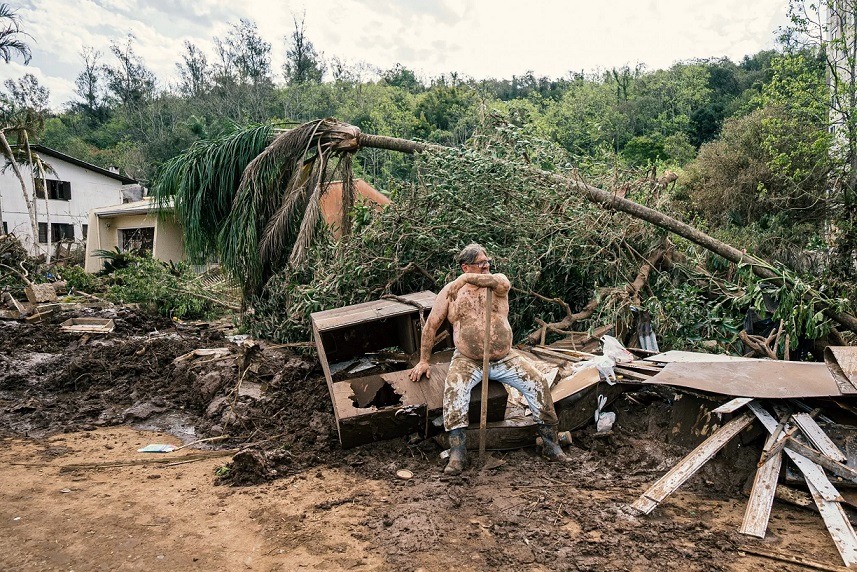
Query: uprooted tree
x=251, y=199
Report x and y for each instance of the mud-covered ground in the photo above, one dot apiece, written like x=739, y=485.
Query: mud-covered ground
x=75, y=494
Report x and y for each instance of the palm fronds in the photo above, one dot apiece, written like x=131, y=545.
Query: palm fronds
x=201, y=183
x=253, y=200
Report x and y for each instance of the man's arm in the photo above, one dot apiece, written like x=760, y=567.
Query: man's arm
x=497, y=282
x=435, y=319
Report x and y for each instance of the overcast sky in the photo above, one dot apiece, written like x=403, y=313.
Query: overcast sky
x=476, y=38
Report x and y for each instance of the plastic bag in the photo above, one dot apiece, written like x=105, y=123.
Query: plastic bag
x=614, y=349
x=603, y=421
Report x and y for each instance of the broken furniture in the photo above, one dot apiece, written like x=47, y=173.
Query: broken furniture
x=355, y=345
x=88, y=325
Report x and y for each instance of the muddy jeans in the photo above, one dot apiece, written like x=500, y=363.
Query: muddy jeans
x=465, y=373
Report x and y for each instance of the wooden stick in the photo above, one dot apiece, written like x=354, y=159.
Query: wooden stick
x=486, y=347
x=791, y=559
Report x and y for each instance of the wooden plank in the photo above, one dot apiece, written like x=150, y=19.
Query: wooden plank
x=790, y=558
x=369, y=311
x=818, y=437
x=688, y=466
x=732, y=406
x=834, y=467
x=758, y=510
x=811, y=472
x=574, y=383
x=837, y=524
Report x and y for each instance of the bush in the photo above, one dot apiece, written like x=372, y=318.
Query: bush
x=79, y=279
x=158, y=288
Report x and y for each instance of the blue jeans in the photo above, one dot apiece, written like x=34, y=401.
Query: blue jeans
x=514, y=370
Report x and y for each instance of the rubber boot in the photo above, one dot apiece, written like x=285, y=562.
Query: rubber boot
x=550, y=445
x=457, y=452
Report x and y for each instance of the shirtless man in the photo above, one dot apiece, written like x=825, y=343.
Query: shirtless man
x=462, y=302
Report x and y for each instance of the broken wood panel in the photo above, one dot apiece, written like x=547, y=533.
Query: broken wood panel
x=753, y=378
x=688, y=466
x=837, y=524
x=732, y=406
x=842, y=363
x=574, y=383
x=790, y=558
x=370, y=311
x=88, y=325
x=810, y=470
x=758, y=511
x=818, y=437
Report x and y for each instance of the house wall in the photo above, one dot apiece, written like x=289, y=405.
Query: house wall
x=89, y=190
x=104, y=234
x=169, y=241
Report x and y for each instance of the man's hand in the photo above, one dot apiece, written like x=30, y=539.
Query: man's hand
x=420, y=369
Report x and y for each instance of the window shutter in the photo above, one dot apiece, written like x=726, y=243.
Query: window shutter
x=66, y=190
x=43, y=232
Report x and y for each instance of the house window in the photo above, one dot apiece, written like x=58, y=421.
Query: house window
x=140, y=239
x=5, y=228
x=59, y=231
x=84, y=230
x=57, y=190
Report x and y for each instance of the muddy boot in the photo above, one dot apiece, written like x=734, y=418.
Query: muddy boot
x=550, y=446
x=457, y=452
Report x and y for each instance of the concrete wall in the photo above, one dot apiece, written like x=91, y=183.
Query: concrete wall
x=89, y=190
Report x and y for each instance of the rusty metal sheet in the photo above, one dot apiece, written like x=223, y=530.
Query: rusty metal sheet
x=370, y=311
x=842, y=362
x=757, y=378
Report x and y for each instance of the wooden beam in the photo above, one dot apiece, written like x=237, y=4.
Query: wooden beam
x=686, y=468
x=837, y=524
x=758, y=511
x=818, y=437
x=811, y=472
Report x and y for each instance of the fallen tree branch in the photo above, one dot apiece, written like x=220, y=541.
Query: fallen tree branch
x=569, y=319
x=612, y=201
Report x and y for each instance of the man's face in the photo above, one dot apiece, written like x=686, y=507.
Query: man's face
x=481, y=265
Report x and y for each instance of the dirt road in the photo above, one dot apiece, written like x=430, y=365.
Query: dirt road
x=527, y=515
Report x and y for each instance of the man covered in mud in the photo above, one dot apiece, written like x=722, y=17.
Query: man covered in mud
x=462, y=302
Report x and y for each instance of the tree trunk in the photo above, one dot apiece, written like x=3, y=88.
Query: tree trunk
x=31, y=207
x=34, y=166
x=611, y=201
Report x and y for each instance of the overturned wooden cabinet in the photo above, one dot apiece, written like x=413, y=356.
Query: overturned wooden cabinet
x=367, y=350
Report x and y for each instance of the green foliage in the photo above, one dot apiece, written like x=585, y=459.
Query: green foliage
x=79, y=279
x=151, y=284
x=766, y=162
x=644, y=150
x=544, y=239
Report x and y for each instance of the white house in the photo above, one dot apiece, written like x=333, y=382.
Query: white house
x=73, y=189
